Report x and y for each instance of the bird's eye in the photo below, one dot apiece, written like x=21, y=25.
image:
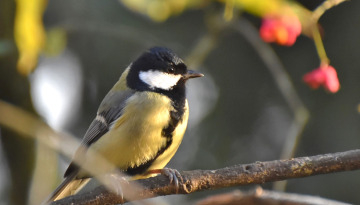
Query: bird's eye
x=171, y=70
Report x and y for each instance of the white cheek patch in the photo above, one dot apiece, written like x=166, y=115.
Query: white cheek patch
x=158, y=79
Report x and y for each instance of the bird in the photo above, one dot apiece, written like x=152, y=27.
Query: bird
x=139, y=124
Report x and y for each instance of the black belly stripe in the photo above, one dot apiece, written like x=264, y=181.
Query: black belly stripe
x=145, y=166
x=175, y=117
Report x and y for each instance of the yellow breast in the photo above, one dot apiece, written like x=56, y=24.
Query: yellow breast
x=136, y=138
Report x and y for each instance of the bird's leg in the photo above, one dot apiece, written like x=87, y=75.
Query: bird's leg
x=173, y=175
x=115, y=180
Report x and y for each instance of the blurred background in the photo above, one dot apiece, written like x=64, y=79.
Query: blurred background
x=240, y=112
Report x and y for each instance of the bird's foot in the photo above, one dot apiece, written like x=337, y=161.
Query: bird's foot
x=173, y=175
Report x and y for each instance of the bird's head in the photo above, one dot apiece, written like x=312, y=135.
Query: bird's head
x=159, y=69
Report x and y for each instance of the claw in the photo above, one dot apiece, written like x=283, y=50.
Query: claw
x=177, y=173
x=174, y=176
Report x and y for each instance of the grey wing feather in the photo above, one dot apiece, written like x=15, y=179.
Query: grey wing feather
x=109, y=110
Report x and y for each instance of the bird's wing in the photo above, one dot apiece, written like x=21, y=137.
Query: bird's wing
x=109, y=110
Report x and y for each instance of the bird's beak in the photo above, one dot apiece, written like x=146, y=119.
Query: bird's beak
x=192, y=74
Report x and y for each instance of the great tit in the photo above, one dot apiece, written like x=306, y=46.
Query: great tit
x=141, y=121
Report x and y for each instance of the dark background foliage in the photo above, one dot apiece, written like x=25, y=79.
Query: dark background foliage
x=244, y=117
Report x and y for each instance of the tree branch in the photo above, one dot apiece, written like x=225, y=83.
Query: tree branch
x=255, y=173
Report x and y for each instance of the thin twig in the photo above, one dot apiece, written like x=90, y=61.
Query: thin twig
x=326, y=5
x=316, y=14
x=255, y=173
x=319, y=45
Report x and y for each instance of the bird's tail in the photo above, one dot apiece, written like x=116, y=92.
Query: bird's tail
x=68, y=187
